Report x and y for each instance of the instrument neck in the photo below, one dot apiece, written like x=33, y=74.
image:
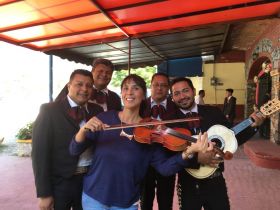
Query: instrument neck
x=190, y=139
x=244, y=124
x=180, y=135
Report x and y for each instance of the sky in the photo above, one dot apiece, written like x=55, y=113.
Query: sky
x=24, y=85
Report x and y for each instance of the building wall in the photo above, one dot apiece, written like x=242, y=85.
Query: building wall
x=230, y=75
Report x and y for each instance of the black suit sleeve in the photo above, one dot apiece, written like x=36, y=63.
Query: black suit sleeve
x=41, y=152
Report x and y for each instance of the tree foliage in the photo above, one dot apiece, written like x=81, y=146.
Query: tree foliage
x=146, y=73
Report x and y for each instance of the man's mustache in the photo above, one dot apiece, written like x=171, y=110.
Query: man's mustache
x=184, y=99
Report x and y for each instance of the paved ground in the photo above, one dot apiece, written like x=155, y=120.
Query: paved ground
x=250, y=187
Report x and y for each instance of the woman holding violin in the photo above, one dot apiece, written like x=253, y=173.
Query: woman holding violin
x=119, y=162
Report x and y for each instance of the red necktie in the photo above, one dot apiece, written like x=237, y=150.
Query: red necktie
x=99, y=96
x=78, y=113
x=157, y=110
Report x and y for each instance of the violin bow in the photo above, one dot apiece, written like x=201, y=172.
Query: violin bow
x=113, y=127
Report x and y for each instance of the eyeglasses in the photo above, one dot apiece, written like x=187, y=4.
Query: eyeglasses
x=157, y=85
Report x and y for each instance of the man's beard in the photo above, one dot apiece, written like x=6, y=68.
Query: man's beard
x=188, y=104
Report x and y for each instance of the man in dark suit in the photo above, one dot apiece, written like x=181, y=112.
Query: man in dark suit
x=159, y=107
x=102, y=70
x=211, y=192
x=229, y=106
x=58, y=175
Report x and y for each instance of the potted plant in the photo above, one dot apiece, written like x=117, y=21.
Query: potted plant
x=24, y=140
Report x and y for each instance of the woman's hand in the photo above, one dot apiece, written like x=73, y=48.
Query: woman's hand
x=201, y=145
x=94, y=124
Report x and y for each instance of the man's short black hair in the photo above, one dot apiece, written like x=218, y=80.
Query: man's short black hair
x=81, y=72
x=160, y=74
x=181, y=79
x=229, y=90
x=200, y=92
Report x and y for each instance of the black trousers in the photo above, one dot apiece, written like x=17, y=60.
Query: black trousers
x=164, y=187
x=68, y=192
x=209, y=193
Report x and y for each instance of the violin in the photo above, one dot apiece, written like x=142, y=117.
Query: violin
x=176, y=139
x=162, y=135
x=149, y=131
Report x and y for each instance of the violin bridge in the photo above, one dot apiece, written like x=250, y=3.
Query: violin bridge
x=123, y=133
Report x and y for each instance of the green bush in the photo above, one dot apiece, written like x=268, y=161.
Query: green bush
x=25, y=132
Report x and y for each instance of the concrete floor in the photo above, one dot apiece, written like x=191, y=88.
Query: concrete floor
x=250, y=187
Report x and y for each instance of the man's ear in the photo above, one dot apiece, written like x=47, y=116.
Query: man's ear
x=68, y=85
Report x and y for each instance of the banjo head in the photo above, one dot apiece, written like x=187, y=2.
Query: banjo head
x=225, y=140
x=223, y=137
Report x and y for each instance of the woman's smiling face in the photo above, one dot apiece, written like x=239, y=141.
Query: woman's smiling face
x=132, y=94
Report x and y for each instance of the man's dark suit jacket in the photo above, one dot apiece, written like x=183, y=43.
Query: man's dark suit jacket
x=229, y=108
x=112, y=99
x=52, y=134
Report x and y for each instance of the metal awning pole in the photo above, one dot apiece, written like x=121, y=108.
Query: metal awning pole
x=50, y=78
x=129, y=55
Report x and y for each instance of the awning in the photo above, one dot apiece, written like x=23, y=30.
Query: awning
x=130, y=33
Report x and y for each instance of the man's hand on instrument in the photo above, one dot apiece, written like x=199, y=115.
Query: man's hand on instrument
x=202, y=145
x=258, y=119
x=209, y=158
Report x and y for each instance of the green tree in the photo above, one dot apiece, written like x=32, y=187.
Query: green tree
x=146, y=73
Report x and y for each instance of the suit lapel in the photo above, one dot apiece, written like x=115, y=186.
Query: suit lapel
x=170, y=110
x=65, y=106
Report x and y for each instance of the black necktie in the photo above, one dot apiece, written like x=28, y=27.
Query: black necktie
x=194, y=126
x=78, y=113
x=158, y=110
x=99, y=96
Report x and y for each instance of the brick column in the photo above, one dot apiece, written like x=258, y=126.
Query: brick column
x=274, y=123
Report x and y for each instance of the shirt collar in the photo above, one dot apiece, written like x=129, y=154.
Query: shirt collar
x=163, y=103
x=193, y=109
x=74, y=104
x=105, y=90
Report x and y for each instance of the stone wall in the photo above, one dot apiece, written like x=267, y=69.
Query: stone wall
x=266, y=47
